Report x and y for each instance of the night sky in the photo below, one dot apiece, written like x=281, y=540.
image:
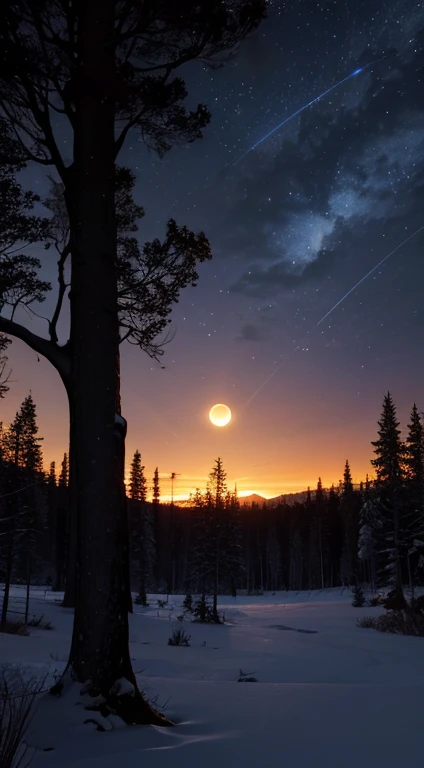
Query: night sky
x=294, y=225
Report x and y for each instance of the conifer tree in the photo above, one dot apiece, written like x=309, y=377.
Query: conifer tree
x=414, y=465
x=51, y=479
x=51, y=509
x=156, y=487
x=347, y=479
x=335, y=536
x=23, y=445
x=215, y=495
x=27, y=510
x=201, y=556
x=143, y=542
x=160, y=566
x=143, y=548
x=388, y=520
x=138, y=486
x=64, y=472
x=216, y=557
x=11, y=510
x=274, y=570
x=350, y=504
x=217, y=486
x=320, y=510
x=28, y=456
x=234, y=559
x=414, y=453
x=389, y=449
x=316, y=556
x=367, y=484
x=62, y=525
x=358, y=596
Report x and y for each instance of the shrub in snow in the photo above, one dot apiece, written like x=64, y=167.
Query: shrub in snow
x=47, y=625
x=17, y=697
x=188, y=602
x=366, y=622
x=401, y=623
x=161, y=603
x=375, y=601
x=395, y=601
x=246, y=677
x=99, y=726
x=141, y=600
x=179, y=637
x=396, y=622
x=358, y=596
x=37, y=621
x=206, y=613
x=418, y=604
x=13, y=628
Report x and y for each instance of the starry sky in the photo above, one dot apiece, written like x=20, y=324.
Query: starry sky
x=294, y=224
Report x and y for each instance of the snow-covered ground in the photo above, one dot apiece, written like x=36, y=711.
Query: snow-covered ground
x=328, y=693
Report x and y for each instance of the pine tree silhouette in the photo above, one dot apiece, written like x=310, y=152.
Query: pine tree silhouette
x=143, y=540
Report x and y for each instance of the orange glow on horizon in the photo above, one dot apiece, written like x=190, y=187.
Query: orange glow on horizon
x=268, y=451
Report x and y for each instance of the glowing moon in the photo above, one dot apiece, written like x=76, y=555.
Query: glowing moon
x=220, y=415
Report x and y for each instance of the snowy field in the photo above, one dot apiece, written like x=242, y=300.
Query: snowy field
x=328, y=693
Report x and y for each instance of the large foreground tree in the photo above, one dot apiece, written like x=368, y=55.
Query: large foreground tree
x=106, y=68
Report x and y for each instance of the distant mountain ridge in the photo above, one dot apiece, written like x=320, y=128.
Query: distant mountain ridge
x=287, y=498
x=253, y=498
x=283, y=498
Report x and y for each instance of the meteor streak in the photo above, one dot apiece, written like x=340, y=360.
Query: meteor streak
x=302, y=109
x=380, y=263
x=285, y=360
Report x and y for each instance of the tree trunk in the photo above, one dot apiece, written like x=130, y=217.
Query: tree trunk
x=69, y=598
x=7, y=580
x=99, y=651
x=398, y=586
x=142, y=596
x=120, y=434
x=59, y=562
x=28, y=588
x=57, y=551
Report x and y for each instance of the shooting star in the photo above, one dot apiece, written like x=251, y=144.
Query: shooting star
x=355, y=73
x=265, y=382
x=286, y=359
x=380, y=263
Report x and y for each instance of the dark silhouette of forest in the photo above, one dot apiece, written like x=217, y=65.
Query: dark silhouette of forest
x=344, y=535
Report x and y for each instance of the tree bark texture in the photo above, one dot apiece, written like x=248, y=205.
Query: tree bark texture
x=100, y=640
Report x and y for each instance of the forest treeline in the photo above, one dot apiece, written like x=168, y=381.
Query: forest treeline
x=344, y=535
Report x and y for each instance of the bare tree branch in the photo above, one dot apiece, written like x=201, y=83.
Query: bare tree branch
x=61, y=293
x=57, y=356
